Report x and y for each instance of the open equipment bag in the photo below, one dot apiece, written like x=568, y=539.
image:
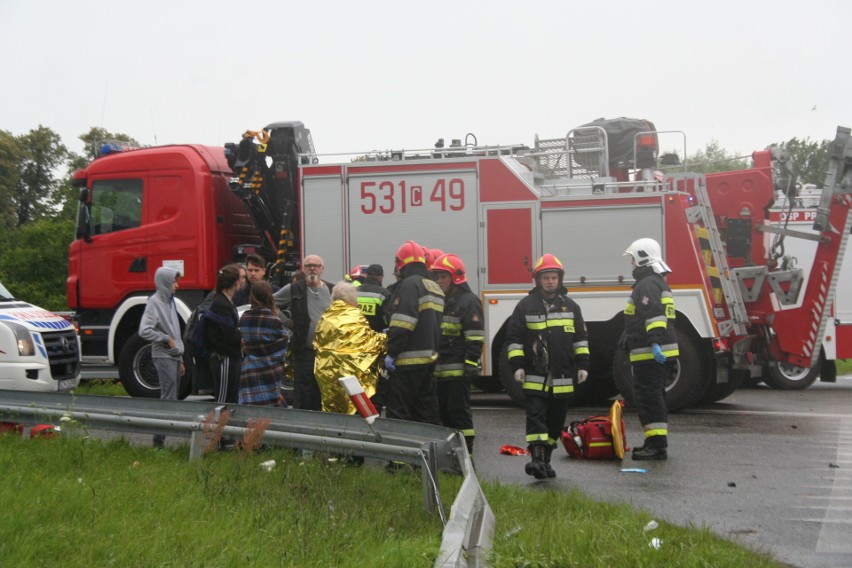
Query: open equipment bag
x=597, y=437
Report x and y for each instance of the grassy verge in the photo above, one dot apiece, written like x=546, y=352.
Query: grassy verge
x=844, y=366
x=73, y=501
x=101, y=387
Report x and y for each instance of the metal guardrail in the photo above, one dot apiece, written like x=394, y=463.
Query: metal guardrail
x=467, y=532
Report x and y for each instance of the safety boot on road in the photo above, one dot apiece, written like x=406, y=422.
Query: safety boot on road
x=548, y=469
x=536, y=467
x=654, y=449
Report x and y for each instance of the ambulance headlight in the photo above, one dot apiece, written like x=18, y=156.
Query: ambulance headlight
x=26, y=347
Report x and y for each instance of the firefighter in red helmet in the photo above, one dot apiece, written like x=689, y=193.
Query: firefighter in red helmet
x=414, y=332
x=549, y=355
x=462, y=336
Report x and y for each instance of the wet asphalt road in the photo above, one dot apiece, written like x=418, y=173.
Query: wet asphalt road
x=769, y=469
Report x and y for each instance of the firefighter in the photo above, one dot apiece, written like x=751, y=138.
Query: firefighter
x=649, y=323
x=372, y=296
x=414, y=333
x=548, y=348
x=462, y=336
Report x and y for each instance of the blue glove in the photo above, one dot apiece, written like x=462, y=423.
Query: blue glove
x=389, y=363
x=658, y=353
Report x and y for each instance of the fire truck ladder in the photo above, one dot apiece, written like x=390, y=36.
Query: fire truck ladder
x=707, y=233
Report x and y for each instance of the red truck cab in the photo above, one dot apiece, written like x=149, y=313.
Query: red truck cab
x=139, y=210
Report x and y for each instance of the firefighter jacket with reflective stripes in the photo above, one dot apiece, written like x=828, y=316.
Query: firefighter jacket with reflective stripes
x=414, y=327
x=462, y=333
x=548, y=340
x=650, y=317
x=371, y=300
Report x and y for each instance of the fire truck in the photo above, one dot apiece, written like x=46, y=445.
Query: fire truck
x=583, y=197
x=798, y=212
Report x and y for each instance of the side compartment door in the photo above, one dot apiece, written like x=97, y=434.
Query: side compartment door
x=509, y=249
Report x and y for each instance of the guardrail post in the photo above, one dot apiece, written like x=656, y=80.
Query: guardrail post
x=196, y=439
x=431, y=491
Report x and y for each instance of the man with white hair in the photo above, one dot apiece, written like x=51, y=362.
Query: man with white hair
x=306, y=301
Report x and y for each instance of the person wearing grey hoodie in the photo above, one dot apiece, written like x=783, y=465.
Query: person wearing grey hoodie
x=160, y=325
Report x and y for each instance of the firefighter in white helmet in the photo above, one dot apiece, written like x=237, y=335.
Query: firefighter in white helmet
x=462, y=335
x=548, y=353
x=649, y=321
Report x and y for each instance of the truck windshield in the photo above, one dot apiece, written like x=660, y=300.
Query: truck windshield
x=116, y=205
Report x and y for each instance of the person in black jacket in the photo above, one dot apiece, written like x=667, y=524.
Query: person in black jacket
x=223, y=336
x=548, y=349
x=372, y=297
x=306, y=300
x=414, y=333
x=649, y=322
x=462, y=336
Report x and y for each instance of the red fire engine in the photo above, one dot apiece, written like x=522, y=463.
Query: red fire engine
x=583, y=197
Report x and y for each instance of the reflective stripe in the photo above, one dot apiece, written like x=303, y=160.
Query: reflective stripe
x=468, y=433
x=415, y=357
x=535, y=326
x=631, y=308
x=645, y=353
x=536, y=437
x=656, y=432
x=581, y=348
x=599, y=444
x=659, y=322
x=449, y=328
x=449, y=370
x=474, y=335
x=515, y=350
x=431, y=302
x=403, y=321
x=656, y=426
x=473, y=363
x=372, y=297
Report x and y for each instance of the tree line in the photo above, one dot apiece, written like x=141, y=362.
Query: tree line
x=38, y=201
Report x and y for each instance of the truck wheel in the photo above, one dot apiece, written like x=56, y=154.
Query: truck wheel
x=685, y=387
x=719, y=391
x=507, y=377
x=136, y=370
x=488, y=384
x=784, y=376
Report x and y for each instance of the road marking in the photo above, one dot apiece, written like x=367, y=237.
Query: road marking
x=834, y=532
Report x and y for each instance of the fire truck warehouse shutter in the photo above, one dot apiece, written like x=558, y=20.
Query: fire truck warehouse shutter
x=435, y=208
x=591, y=241
x=322, y=216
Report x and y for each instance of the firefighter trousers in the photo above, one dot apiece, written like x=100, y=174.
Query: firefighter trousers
x=545, y=418
x=649, y=383
x=454, y=407
x=412, y=395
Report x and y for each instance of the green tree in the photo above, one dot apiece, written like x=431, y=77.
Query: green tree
x=35, y=194
x=34, y=263
x=714, y=158
x=10, y=161
x=809, y=159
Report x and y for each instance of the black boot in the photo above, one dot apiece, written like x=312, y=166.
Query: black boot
x=547, y=467
x=654, y=449
x=536, y=467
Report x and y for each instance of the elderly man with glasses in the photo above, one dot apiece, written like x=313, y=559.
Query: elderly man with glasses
x=306, y=301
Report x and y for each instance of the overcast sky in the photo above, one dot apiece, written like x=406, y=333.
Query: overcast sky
x=397, y=74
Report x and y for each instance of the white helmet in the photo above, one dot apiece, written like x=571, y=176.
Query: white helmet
x=646, y=252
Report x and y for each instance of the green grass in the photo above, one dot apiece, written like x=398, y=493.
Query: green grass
x=101, y=387
x=74, y=501
x=844, y=366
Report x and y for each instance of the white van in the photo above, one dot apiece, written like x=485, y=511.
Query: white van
x=39, y=350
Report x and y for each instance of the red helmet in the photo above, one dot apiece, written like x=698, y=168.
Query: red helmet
x=410, y=252
x=548, y=263
x=452, y=264
x=358, y=272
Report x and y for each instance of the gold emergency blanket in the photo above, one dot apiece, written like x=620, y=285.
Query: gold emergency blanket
x=345, y=345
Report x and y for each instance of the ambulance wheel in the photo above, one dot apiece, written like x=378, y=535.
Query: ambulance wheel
x=685, y=387
x=785, y=376
x=136, y=369
x=507, y=377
